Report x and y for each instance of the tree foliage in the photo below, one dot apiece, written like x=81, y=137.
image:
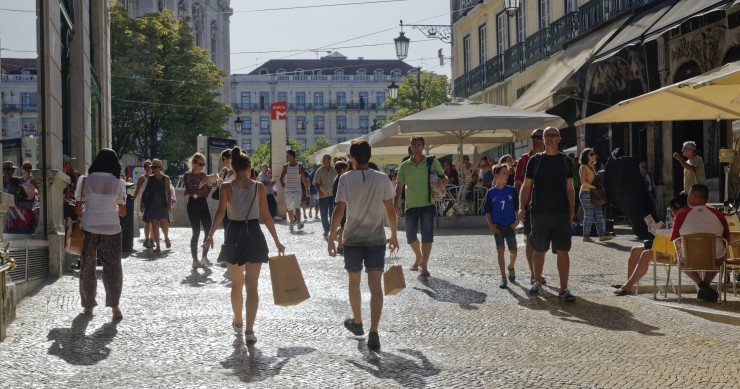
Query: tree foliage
x=435, y=90
x=163, y=87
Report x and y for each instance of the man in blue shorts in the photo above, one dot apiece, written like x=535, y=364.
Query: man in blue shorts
x=552, y=208
x=367, y=195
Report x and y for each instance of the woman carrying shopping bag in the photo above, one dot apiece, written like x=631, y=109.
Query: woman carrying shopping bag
x=245, y=246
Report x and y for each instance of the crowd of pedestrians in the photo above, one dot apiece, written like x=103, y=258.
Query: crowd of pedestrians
x=534, y=195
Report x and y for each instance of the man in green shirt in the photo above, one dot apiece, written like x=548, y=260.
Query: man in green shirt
x=323, y=180
x=414, y=176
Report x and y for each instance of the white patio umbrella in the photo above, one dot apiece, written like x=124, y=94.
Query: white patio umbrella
x=714, y=95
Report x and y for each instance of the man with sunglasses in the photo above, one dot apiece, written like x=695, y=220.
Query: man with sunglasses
x=538, y=146
x=140, y=186
x=549, y=180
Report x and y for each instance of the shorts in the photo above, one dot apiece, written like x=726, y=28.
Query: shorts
x=293, y=200
x=372, y=257
x=423, y=216
x=548, y=229
x=527, y=222
x=507, y=235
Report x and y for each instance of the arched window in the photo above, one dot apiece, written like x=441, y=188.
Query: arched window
x=396, y=72
x=339, y=72
x=263, y=71
x=299, y=72
x=378, y=72
x=281, y=71
x=361, y=72
x=317, y=72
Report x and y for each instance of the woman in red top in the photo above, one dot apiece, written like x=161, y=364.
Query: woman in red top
x=197, y=187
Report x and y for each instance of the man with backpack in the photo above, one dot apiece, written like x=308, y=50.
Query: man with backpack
x=417, y=175
x=552, y=208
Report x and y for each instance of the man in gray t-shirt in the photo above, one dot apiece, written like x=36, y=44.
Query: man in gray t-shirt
x=368, y=197
x=693, y=166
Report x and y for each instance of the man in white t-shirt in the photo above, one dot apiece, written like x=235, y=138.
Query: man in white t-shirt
x=368, y=197
x=699, y=218
x=693, y=166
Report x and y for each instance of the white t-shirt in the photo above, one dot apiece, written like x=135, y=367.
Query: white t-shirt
x=364, y=192
x=265, y=180
x=102, y=194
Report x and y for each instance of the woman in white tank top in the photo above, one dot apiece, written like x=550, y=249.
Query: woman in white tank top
x=246, y=201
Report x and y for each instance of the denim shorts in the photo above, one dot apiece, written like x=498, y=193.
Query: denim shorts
x=547, y=228
x=423, y=216
x=372, y=257
x=508, y=235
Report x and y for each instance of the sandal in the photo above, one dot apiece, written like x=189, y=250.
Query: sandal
x=157, y=250
x=117, y=315
x=167, y=242
x=621, y=292
x=88, y=311
x=424, y=273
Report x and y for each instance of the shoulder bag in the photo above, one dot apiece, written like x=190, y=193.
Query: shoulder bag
x=75, y=233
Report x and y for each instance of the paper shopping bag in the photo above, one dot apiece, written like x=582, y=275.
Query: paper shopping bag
x=393, y=281
x=288, y=286
x=75, y=237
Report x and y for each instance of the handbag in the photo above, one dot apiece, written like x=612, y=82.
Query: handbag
x=598, y=195
x=288, y=286
x=229, y=249
x=393, y=281
x=75, y=234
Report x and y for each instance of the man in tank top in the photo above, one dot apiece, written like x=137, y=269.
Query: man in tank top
x=291, y=179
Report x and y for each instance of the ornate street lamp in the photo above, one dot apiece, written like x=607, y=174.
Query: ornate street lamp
x=393, y=90
x=402, y=45
x=511, y=7
x=238, y=123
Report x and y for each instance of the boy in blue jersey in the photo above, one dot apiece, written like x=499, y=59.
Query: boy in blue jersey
x=502, y=219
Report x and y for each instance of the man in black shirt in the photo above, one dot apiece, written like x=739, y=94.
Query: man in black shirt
x=552, y=207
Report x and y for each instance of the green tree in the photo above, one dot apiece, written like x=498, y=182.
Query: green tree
x=435, y=90
x=163, y=87
x=262, y=152
x=320, y=143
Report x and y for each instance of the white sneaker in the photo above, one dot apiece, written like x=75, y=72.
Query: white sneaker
x=205, y=262
x=291, y=226
x=277, y=219
x=300, y=225
x=249, y=337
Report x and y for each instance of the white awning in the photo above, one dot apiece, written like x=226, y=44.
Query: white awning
x=682, y=11
x=543, y=94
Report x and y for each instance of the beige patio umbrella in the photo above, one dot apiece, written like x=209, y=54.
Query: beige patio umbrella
x=714, y=95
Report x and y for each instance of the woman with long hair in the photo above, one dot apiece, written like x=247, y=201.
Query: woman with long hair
x=156, y=199
x=592, y=214
x=198, y=186
x=101, y=198
x=246, y=201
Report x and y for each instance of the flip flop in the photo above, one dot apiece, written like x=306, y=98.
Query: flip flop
x=424, y=273
x=167, y=242
x=621, y=292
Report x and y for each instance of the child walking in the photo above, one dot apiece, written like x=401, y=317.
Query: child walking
x=501, y=218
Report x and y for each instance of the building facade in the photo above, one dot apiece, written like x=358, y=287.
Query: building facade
x=333, y=97
x=574, y=58
x=209, y=20
x=66, y=93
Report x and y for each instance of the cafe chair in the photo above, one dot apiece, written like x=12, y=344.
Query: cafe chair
x=480, y=198
x=697, y=252
x=732, y=262
x=666, y=261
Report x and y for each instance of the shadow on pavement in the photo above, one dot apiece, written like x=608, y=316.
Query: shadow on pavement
x=447, y=292
x=76, y=348
x=250, y=365
x=584, y=311
x=197, y=279
x=408, y=372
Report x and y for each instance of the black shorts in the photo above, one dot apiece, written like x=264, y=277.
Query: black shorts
x=527, y=222
x=548, y=229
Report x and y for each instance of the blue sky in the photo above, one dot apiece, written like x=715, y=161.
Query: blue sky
x=274, y=32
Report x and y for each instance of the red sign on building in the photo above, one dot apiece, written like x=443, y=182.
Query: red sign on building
x=278, y=110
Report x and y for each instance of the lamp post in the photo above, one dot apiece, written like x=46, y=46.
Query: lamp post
x=238, y=123
x=402, y=51
x=511, y=7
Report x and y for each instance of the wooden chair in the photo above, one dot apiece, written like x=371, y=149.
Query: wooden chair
x=697, y=252
x=732, y=262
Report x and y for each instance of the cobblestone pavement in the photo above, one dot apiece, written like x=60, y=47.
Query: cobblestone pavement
x=458, y=329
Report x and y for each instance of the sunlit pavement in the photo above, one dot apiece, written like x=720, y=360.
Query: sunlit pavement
x=456, y=329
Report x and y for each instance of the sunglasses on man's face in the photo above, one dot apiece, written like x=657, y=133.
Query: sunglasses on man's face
x=537, y=137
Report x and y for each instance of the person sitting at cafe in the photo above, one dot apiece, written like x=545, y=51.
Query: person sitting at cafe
x=486, y=174
x=470, y=194
x=451, y=172
x=640, y=256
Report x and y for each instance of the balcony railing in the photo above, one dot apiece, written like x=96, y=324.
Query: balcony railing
x=536, y=47
x=563, y=30
x=20, y=108
x=513, y=61
x=308, y=106
x=541, y=44
x=17, y=78
x=319, y=78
